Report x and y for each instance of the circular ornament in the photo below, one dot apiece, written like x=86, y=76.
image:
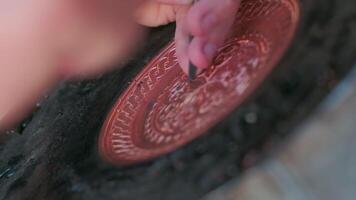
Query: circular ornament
x=162, y=109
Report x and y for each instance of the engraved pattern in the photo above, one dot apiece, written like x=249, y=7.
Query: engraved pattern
x=162, y=110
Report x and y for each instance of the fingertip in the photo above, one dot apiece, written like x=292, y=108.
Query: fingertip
x=196, y=55
x=201, y=53
x=184, y=64
x=209, y=51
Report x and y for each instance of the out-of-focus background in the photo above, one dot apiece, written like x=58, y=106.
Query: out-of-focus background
x=317, y=163
x=293, y=139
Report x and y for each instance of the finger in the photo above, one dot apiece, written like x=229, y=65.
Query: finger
x=201, y=52
x=22, y=83
x=97, y=50
x=27, y=58
x=153, y=13
x=182, y=40
x=210, y=24
x=205, y=15
x=37, y=36
x=96, y=36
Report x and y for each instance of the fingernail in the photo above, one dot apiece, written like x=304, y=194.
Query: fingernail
x=209, y=51
x=208, y=22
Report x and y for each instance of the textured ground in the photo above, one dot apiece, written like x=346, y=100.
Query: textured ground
x=317, y=163
x=53, y=155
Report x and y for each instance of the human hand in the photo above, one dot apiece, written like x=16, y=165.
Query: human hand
x=208, y=21
x=43, y=42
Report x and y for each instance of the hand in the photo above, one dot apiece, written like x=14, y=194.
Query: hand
x=42, y=42
x=208, y=21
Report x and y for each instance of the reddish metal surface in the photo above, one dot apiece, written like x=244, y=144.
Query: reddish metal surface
x=162, y=110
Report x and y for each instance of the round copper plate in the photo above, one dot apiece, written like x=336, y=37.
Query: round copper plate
x=162, y=110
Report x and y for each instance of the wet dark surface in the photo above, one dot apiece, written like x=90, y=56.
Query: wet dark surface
x=55, y=156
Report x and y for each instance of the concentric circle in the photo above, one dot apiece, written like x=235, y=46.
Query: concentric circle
x=162, y=110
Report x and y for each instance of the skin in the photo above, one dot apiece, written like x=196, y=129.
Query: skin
x=44, y=42
x=208, y=21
